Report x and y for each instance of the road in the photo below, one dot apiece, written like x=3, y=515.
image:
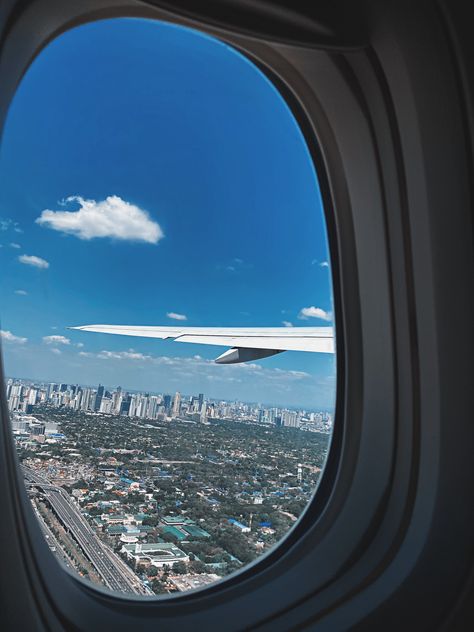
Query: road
x=113, y=570
x=53, y=543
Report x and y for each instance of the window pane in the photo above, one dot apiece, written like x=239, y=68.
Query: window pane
x=151, y=175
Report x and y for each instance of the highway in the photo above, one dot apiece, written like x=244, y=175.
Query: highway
x=113, y=570
x=53, y=543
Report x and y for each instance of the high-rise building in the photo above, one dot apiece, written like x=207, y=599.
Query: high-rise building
x=77, y=400
x=98, y=397
x=167, y=403
x=32, y=396
x=86, y=398
x=203, y=414
x=133, y=406
x=152, y=410
x=177, y=404
x=125, y=406
x=289, y=418
x=116, y=401
x=141, y=406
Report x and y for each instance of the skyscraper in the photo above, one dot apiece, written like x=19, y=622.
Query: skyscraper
x=98, y=397
x=203, y=415
x=177, y=404
x=125, y=405
x=167, y=403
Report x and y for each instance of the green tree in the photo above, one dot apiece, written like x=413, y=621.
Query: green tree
x=197, y=567
x=180, y=568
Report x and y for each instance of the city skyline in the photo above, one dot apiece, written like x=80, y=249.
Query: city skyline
x=165, y=405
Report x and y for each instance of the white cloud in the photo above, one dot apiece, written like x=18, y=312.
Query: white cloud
x=9, y=337
x=32, y=260
x=6, y=224
x=314, y=312
x=324, y=264
x=286, y=323
x=121, y=355
x=234, y=265
x=112, y=217
x=21, y=292
x=198, y=367
x=79, y=345
x=14, y=245
x=56, y=351
x=176, y=316
x=56, y=340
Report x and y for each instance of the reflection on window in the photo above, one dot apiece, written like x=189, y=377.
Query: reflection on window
x=151, y=176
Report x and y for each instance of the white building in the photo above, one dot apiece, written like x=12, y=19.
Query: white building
x=159, y=555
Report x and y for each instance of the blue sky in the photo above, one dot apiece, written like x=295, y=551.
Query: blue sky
x=147, y=170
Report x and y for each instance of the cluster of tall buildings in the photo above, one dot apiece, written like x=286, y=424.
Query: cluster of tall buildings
x=23, y=396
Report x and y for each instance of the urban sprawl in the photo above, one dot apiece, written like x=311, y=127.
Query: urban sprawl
x=156, y=493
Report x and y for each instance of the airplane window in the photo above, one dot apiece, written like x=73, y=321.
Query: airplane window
x=167, y=319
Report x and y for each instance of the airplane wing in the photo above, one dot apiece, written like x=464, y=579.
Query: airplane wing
x=246, y=343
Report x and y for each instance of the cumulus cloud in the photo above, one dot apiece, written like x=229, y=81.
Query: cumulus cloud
x=286, y=323
x=14, y=245
x=176, y=316
x=294, y=374
x=324, y=264
x=21, y=292
x=79, y=345
x=56, y=351
x=121, y=355
x=314, y=312
x=112, y=217
x=32, y=260
x=9, y=337
x=198, y=367
x=248, y=382
x=56, y=340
